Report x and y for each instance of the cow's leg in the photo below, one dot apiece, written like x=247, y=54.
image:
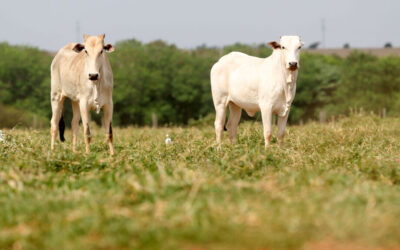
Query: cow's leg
x=266, y=114
x=56, y=106
x=107, y=125
x=75, y=123
x=233, y=121
x=282, y=121
x=220, y=117
x=85, y=114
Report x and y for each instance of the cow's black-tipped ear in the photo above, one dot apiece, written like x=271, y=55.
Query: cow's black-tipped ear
x=78, y=47
x=274, y=45
x=108, y=48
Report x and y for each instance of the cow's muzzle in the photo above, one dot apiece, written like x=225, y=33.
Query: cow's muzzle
x=293, y=66
x=93, y=77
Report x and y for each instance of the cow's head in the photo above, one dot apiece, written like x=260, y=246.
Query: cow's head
x=94, y=49
x=289, y=47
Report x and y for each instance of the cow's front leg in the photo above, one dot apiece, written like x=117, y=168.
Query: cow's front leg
x=282, y=121
x=56, y=106
x=266, y=114
x=85, y=114
x=75, y=123
x=107, y=125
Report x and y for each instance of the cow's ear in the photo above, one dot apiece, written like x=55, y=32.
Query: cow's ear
x=85, y=37
x=108, y=48
x=274, y=45
x=78, y=47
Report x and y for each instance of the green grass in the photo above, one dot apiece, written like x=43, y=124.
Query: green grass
x=336, y=183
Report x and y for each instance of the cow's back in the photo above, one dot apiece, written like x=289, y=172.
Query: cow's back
x=232, y=63
x=67, y=65
x=236, y=75
x=67, y=72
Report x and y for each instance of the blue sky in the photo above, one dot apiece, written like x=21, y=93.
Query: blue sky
x=49, y=24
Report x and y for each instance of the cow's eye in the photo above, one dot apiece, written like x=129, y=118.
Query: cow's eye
x=283, y=47
x=300, y=47
x=86, y=52
x=101, y=52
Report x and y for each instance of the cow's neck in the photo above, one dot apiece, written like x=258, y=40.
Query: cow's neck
x=96, y=88
x=288, y=81
x=291, y=76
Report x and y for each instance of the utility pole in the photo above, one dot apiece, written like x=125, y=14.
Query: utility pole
x=323, y=29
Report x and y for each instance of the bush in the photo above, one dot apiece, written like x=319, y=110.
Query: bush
x=174, y=84
x=11, y=117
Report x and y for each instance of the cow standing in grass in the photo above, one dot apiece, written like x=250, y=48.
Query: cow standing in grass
x=256, y=84
x=82, y=73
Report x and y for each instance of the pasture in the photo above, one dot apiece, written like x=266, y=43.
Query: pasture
x=332, y=185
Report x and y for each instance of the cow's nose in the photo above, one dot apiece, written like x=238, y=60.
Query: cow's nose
x=93, y=77
x=293, y=64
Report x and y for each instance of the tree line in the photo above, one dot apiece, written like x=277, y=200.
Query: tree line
x=173, y=83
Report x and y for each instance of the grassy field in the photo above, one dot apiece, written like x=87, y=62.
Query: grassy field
x=332, y=186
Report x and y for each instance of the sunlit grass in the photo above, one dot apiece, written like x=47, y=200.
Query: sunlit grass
x=337, y=182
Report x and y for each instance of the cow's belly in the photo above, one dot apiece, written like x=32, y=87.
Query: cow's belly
x=244, y=93
x=250, y=105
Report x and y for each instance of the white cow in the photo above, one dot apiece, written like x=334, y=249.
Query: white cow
x=82, y=73
x=256, y=84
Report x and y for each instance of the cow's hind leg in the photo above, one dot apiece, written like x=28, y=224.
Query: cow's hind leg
x=282, y=121
x=56, y=106
x=234, y=117
x=220, y=117
x=107, y=125
x=75, y=124
x=85, y=113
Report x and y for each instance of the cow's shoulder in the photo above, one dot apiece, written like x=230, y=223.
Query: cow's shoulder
x=67, y=49
x=239, y=59
x=66, y=56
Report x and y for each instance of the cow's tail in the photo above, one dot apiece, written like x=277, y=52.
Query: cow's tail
x=61, y=126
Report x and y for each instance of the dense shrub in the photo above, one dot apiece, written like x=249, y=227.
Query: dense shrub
x=12, y=117
x=174, y=83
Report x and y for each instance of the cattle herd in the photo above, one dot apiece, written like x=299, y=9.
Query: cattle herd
x=83, y=73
